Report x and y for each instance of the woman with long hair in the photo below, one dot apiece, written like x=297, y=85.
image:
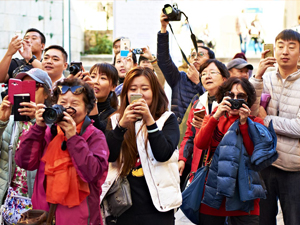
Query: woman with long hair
x=142, y=143
x=105, y=79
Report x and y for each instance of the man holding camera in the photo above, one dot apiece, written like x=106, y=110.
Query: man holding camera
x=282, y=179
x=33, y=45
x=55, y=62
x=184, y=85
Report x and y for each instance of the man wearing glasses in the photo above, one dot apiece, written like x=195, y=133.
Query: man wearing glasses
x=184, y=85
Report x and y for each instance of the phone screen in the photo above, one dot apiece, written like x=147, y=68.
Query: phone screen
x=200, y=113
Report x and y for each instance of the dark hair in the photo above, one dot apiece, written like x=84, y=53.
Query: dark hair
x=47, y=92
x=42, y=36
x=288, y=35
x=211, y=54
x=221, y=67
x=88, y=94
x=158, y=106
x=200, y=41
x=112, y=75
x=63, y=51
x=142, y=58
x=244, y=83
x=134, y=59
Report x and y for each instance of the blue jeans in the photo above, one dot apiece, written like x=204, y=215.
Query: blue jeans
x=282, y=185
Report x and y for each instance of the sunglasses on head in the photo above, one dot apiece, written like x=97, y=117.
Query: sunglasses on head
x=238, y=96
x=76, y=90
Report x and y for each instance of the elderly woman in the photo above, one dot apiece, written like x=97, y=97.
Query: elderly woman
x=72, y=158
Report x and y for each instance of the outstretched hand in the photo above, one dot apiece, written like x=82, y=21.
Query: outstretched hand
x=5, y=109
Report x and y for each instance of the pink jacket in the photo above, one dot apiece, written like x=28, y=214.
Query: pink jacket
x=89, y=154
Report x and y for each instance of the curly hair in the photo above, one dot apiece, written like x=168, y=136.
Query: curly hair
x=244, y=83
x=88, y=93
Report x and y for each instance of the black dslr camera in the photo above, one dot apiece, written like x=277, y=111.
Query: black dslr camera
x=138, y=51
x=173, y=13
x=236, y=103
x=54, y=114
x=75, y=67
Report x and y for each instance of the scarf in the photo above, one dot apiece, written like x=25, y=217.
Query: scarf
x=64, y=186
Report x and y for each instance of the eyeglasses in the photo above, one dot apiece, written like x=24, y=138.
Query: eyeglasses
x=76, y=90
x=211, y=73
x=195, y=55
x=38, y=85
x=238, y=96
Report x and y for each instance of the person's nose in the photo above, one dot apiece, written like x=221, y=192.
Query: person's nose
x=285, y=50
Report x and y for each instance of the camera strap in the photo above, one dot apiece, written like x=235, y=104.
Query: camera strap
x=193, y=37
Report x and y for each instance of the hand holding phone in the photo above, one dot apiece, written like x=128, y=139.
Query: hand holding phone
x=198, y=118
x=18, y=98
x=200, y=113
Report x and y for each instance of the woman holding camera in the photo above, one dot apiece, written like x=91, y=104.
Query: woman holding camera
x=22, y=180
x=72, y=158
x=142, y=143
x=235, y=97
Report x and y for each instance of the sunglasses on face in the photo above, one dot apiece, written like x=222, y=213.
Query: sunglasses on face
x=238, y=96
x=76, y=90
x=38, y=85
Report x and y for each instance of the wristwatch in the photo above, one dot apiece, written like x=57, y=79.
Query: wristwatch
x=32, y=58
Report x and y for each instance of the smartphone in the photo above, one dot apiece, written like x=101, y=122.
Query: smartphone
x=200, y=113
x=134, y=97
x=19, y=34
x=18, y=98
x=124, y=47
x=16, y=86
x=271, y=52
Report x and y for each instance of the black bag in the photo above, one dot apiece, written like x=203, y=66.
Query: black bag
x=118, y=198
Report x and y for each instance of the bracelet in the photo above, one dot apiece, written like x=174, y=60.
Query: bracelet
x=152, y=131
x=122, y=129
x=154, y=60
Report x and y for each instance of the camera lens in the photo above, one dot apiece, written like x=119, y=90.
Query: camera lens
x=53, y=114
x=74, y=69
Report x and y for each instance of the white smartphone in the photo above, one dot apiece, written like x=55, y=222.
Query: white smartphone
x=124, y=47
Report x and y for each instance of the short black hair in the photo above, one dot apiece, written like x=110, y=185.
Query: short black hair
x=142, y=58
x=200, y=41
x=42, y=36
x=288, y=35
x=63, y=51
x=244, y=83
x=221, y=67
x=88, y=93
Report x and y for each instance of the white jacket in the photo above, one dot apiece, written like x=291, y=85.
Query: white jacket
x=162, y=177
x=284, y=111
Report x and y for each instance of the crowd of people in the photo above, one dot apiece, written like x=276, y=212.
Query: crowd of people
x=104, y=135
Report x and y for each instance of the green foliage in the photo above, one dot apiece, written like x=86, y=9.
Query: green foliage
x=103, y=45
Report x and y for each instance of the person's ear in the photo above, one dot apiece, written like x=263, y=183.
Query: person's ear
x=65, y=65
x=42, y=46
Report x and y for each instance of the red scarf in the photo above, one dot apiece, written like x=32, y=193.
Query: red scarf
x=64, y=186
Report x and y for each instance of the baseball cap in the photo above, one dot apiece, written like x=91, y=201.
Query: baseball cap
x=239, y=63
x=38, y=75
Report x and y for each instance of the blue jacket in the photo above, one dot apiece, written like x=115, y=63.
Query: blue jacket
x=183, y=89
x=231, y=174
